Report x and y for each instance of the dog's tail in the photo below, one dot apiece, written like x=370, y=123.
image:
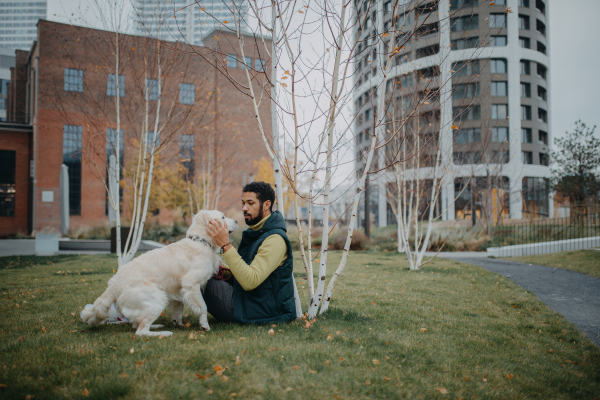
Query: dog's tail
x=100, y=310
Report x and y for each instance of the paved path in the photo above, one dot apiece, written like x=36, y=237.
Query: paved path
x=26, y=247
x=576, y=296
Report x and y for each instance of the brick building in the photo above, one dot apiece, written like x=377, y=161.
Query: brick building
x=61, y=109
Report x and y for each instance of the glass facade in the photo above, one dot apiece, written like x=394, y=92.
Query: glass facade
x=18, y=20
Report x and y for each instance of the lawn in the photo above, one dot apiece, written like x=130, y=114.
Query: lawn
x=584, y=261
x=449, y=331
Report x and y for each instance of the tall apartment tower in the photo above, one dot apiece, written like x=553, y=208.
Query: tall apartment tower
x=18, y=20
x=481, y=72
x=184, y=20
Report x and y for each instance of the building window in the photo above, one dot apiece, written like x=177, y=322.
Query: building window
x=523, y=22
x=465, y=23
x=465, y=43
x=387, y=7
x=500, y=134
x=187, y=155
x=497, y=41
x=499, y=89
x=541, y=71
x=458, y=4
x=73, y=80
x=540, y=27
x=543, y=137
x=525, y=67
x=259, y=64
x=541, y=47
x=232, y=61
x=498, y=66
x=111, y=85
x=402, y=58
x=8, y=168
x=187, y=93
x=499, y=3
x=535, y=196
x=542, y=115
x=466, y=68
x=544, y=159
x=152, y=141
x=525, y=89
x=471, y=135
x=523, y=3
x=525, y=42
x=368, y=115
x=153, y=89
x=466, y=91
x=500, y=157
x=247, y=62
x=72, y=136
x=542, y=94
x=526, y=113
x=540, y=6
x=427, y=51
x=466, y=113
x=499, y=111
x=527, y=157
x=526, y=135
x=498, y=20
x=467, y=157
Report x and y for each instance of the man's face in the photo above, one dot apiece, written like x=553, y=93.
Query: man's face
x=253, y=210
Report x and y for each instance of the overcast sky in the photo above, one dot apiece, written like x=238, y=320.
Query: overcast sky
x=574, y=57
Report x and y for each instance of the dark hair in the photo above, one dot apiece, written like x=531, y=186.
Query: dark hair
x=263, y=191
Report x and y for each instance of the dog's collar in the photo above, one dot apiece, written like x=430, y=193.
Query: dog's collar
x=199, y=239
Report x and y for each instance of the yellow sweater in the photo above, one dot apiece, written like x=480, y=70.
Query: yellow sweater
x=271, y=254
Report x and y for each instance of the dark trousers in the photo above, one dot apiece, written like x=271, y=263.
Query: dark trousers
x=218, y=296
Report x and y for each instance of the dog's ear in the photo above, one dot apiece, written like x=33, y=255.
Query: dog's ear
x=201, y=217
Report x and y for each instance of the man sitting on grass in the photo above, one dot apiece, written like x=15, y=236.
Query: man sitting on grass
x=261, y=289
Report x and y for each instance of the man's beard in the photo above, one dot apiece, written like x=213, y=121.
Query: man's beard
x=258, y=218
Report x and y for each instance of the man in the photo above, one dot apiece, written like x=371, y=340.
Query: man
x=261, y=290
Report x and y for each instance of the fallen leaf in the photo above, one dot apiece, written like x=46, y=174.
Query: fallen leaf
x=201, y=376
x=85, y=392
x=3, y=386
x=341, y=358
x=385, y=378
x=161, y=336
x=327, y=362
x=375, y=361
x=550, y=351
x=112, y=347
x=312, y=372
x=319, y=345
x=73, y=331
x=191, y=336
x=307, y=324
x=73, y=314
x=139, y=363
x=218, y=368
x=224, y=378
x=423, y=329
x=23, y=337
x=124, y=374
x=442, y=390
x=271, y=348
x=510, y=376
x=131, y=350
x=296, y=367
x=373, y=303
x=368, y=382
x=289, y=389
x=43, y=329
x=188, y=325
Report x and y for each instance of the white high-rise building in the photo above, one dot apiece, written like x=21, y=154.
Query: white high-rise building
x=184, y=20
x=18, y=20
x=482, y=75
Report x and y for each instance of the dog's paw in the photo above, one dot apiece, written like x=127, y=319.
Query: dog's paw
x=205, y=328
x=177, y=323
x=156, y=326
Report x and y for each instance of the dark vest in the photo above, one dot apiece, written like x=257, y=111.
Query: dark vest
x=273, y=300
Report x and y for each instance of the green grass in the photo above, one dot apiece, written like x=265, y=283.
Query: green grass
x=584, y=261
x=481, y=330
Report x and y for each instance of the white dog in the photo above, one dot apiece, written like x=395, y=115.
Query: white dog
x=175, y=274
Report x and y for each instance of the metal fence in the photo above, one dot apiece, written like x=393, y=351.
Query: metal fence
x=547, y=230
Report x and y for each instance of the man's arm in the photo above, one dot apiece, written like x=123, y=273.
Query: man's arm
x=270, y=255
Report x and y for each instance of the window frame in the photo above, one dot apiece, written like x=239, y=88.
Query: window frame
x=493, y=39
x=494, y=88
x=111, y=85
x=184, y=96
x=73, y=80
x=496, y=111
x=231, y=61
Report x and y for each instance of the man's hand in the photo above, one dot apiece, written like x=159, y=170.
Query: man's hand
x=219, y=233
